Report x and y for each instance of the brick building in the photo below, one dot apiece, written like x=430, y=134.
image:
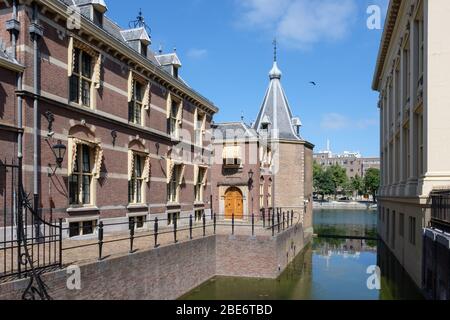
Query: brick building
x=135, y=132
x=352, y=162
x=267, y=165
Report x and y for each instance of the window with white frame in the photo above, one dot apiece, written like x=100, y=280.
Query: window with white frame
x=173, y=120
x=199, y=127
x=80, y=180
x=138, y=221
x=82, y=228
x=135, y=190
x=232, y=155
x=421, y=139
x=135, y=106
x=173, y=184
x=81, y=78
x=199, y=184
x=172, y=216
x=199, y=215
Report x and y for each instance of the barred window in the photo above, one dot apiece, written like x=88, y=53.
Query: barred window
x=82, y=228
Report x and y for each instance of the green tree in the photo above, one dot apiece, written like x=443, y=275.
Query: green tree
x=372, y=181
x=357, y=185
x=323, y=180
x=339, y=177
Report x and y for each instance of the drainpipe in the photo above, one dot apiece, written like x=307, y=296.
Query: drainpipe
x=36, y=33
x=15, y=36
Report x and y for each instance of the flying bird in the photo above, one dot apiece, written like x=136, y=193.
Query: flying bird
x=313, y=83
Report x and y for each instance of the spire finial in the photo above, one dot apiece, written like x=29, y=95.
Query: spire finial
x=274, y=49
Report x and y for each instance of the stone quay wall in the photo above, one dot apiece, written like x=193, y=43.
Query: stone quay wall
x=169, y=272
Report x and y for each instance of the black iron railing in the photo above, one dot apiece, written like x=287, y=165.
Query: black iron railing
x=440, y=210
x=29, y=245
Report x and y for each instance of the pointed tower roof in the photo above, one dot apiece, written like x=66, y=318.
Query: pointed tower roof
x=275, y=111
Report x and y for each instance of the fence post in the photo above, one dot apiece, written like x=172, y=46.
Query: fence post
x=155, y=230
x=273, y=224
x=215, y=223
x=60, y=242
x=175, y=228
x=131, y=235
x=278, y=221
x=232, y=224
x=211, y=205
x=284, y=220
x=253, y=224
x=204, y=224
x=190, y=227
x=264, y=217
x=100, y=240
x=292, y=217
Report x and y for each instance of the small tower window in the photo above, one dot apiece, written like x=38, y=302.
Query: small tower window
x=264, y=126
x=144, y=49
x=98, y=18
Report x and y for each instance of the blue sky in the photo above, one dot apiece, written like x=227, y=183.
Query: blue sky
x=226, y=50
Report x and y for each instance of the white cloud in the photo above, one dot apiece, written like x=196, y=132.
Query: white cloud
x=300, y=23
x=336, y=121
x=195, y=53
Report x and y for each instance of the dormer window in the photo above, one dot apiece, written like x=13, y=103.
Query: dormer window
x=98, y=18
x=144, y=49
x=175, y=72
x=265, y=126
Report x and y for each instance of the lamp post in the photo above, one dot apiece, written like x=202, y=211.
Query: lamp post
x=250, y=186
x=59, y=151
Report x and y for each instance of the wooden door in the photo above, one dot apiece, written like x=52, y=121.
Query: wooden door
x=234, y=203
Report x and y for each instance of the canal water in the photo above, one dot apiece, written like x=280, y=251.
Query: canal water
x=328, y=269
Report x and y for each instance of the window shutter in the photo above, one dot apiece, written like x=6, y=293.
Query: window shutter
x=130, y=86
x=147, y=169
x=130, y=164
x=181, y=177
x=98, y=71
x=196, y=173
x=205, y=176
x=169, y=105
x=204, y=124
x=169, y=169
x=72, y=156
x=195, y=119
x=98, y=161
x=180, y=114
x=147, y=96
x=70, y=57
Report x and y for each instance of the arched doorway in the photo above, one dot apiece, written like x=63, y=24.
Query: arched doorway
x=234, y=203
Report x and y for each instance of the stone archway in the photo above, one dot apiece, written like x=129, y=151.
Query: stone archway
x=234, y=204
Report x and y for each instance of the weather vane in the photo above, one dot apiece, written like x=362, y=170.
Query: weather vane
x=274, y=49
x=140, y=22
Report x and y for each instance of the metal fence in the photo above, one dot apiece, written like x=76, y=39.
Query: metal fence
x=29, y=245
x=159, y=232
x=440, y=210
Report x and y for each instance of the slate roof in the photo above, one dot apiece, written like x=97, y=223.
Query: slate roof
x=169, y=59
x=276, y=111
x=233, y=130
x=113, y=28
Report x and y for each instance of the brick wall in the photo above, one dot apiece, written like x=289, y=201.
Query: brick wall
x=171, y=271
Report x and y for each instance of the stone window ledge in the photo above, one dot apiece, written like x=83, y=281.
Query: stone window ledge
x=137, y=206
x=82, y=209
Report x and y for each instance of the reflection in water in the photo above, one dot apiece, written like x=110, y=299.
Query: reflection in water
x=328, y=269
